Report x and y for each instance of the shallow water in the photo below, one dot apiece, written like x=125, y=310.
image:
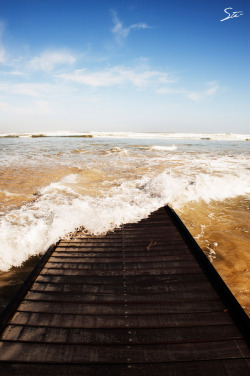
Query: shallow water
x=50, y=186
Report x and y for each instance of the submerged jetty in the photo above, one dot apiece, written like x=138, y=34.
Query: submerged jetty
x=142, y=300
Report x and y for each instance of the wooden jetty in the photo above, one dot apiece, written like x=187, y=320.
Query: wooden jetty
x=140, y=301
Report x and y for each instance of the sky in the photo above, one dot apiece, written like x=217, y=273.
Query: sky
x=127, y=65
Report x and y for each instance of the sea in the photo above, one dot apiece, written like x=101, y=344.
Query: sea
x=53, y=183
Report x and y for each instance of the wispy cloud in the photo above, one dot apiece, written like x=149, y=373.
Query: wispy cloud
x=120, y=32
x=117, y=75
x=15, y=73
x=2, y=49
x=199, y=96
x=31, y=89
x=49, y=60
x=39, y=107
x=195, y=96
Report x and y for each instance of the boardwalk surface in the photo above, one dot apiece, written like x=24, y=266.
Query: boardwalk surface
x=133, y=302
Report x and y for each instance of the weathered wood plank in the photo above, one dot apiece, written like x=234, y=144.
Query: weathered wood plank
x=218, y=367
x=130, y=289
x=118, y=309
x=160, y=250
x=104, y=260
x=133, y=280
x=123, y=321
x=120, y=336
x=70, y=354
x=112, y=273
x=122, y=297
x=119, y=265
x=145, y=254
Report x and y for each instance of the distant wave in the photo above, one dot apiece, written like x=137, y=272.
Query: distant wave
x=169, y=136
x=45, y=134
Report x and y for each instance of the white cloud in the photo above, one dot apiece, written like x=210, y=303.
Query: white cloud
x=14, y=73
x=169, y=90
x=122, y=32
x=2, y=54
x=117, y=75
x=195, y=96
x=31, y=89
x=2, y=49
x=199, y=96
x=35, y=90
x=39, y=107
x=49, y=60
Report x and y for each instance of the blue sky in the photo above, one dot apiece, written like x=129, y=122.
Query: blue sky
x=124, y=65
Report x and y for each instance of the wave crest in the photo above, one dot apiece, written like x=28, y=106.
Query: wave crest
x=59, y=209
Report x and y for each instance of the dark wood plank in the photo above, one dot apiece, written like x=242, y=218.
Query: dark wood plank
x=115, y=265
x=121, y=297
x=140, y=272
x=139, y=252
x=122, y=257
x=120, y=336
x=218, y=367
x=79, y=354
x=133, y=280
x=130, y=289
x=122, y=321
x=118, y=309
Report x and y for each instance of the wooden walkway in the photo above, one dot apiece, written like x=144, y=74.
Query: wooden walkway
x=139, y=301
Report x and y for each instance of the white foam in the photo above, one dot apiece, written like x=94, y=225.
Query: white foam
x=10, y=194
x=58, y=209
x=71, y=179
x=172, y=135
x=163, y=148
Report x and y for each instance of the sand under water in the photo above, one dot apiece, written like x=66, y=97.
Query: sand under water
x=49, y=186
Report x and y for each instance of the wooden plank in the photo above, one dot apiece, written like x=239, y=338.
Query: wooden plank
x=118, y=309
x=133, y=280
x=70, y=354
x=218, y=367
x=133, y=243
x=120, y=336
x=115, y=273
x=129, y=251
x=144, y=253
x=121, y=297
x=122, y=321
x=130, y=289
x=119, y=265
x=128, y=259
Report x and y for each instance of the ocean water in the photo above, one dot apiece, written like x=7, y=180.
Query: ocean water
x=49, y=186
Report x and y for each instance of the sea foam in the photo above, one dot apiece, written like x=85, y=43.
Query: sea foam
x=163, y=148
x=59, y=209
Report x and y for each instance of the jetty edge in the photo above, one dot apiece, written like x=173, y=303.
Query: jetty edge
x=141, y=300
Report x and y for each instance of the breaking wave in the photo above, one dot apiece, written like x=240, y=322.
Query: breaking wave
x=60, y=209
